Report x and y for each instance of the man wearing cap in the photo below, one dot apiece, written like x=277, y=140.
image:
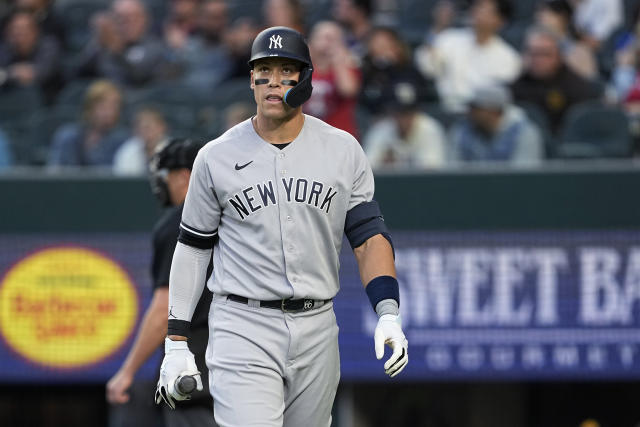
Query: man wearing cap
x=495, y=131
x=406, y=138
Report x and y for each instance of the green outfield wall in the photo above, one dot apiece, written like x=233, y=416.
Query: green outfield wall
x=552, y=198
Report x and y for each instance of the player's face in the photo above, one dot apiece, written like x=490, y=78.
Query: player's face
x=270, y=80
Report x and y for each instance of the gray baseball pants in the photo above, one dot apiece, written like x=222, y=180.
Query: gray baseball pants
x=268, y=368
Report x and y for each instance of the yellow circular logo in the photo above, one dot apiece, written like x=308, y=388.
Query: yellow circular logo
x=67, y=307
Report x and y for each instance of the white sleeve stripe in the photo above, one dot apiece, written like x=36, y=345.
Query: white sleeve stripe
x=196, y=232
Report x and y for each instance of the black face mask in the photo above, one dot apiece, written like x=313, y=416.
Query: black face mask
x=159, y=187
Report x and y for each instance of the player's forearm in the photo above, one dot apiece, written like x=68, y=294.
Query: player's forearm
x=186, y=282
x=151, y=333
x=375, y=258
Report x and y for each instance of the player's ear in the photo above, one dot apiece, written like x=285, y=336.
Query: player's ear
x=252, y=85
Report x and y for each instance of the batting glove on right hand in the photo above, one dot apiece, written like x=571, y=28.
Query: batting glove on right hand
x=389, y=331
x=178, y=362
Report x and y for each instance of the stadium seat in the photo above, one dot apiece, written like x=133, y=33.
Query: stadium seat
x=17, y=109
x=593, y=130
x=72, y=95
x=45, y=122
x=540, y=119
x=230, y=92
x=164, y=93
x=364, y=121
x=16, y=101
x=446, y=118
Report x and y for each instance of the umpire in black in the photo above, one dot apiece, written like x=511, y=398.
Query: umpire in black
x=170, y=172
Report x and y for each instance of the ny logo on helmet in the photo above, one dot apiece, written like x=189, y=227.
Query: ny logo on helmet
x=275, y=42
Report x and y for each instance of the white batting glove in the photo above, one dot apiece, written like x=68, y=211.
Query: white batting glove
x=178, y=362
x=389, y=331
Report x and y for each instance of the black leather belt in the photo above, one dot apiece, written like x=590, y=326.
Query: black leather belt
x=284, y=304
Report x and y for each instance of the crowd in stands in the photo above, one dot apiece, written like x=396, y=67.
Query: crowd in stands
x=422, y=84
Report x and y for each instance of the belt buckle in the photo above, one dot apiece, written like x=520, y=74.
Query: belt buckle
x=282, y=305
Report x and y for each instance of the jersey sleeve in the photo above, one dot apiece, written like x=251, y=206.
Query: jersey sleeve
x=363, y=185
x=201, y=214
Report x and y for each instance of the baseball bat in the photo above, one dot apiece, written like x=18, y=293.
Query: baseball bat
x=186, y=385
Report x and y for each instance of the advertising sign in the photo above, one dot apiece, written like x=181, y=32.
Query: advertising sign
x=475, y=305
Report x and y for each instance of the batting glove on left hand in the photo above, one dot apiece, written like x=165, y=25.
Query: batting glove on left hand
x=389, y=331
x=178, y=362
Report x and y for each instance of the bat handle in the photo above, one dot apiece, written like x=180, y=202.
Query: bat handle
x=186, y=384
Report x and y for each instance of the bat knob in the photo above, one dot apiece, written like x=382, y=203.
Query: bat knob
x=186, y=385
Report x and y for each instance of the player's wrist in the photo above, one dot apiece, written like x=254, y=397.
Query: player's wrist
x=383, y=288
x=171, y=345
x=387, y=307
x=178, y=328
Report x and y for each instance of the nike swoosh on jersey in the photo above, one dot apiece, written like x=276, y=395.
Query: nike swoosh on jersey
x=238, y=167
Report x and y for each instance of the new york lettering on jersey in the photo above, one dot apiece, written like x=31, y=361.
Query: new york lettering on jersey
x=297, y=190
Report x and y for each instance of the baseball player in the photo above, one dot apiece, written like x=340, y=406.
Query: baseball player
x=274, y=195
x=171, y=169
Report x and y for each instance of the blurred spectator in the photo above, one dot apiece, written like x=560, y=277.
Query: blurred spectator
x=495, y=130
x=179, y=26
x=557, y=16
x=406, y=138
x=388, y=60
x=205, y=58
x=182, y=20
x=627, y=58
x=463, y=59
x=336, y=78
x=150, y=132
x=596, y=20
x=28, y=58
x=443, y=17
x=238, y=39
x=355, y=16
x=6, y=159
x=122, y=49
x=237, y=113
x=43, y=12
x=288, y=13
x=547, y=81
x=631, y=105
x=94, y=140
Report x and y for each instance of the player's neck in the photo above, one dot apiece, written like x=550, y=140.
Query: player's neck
x=278, y=131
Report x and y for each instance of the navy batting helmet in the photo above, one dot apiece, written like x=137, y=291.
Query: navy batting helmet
x=285, y=42
x=178, y=153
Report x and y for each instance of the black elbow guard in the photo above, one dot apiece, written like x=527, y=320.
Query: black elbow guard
x=365, y=221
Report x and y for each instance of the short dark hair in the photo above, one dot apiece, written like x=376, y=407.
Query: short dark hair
x=364, y=5
x=505, y=8
x=560, y=6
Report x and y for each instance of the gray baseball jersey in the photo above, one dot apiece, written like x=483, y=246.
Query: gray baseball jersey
x=279, y=214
